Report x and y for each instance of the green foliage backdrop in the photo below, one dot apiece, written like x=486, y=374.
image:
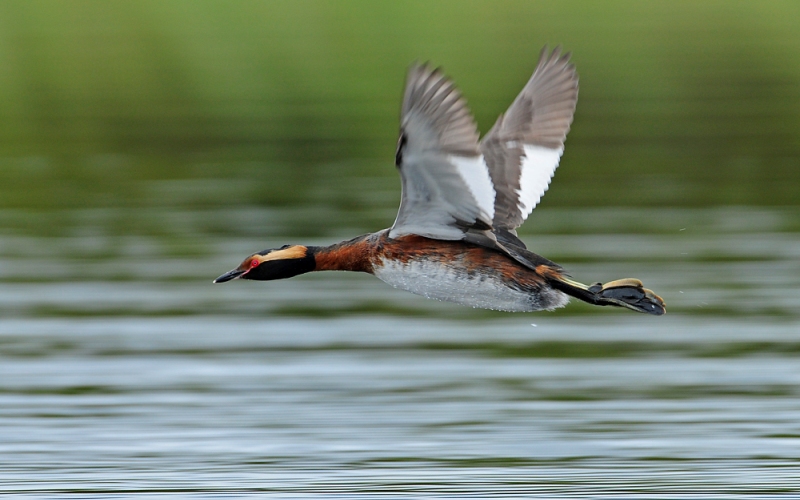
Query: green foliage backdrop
x=262, y=102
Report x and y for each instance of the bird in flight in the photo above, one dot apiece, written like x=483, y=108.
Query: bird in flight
x=463, y=198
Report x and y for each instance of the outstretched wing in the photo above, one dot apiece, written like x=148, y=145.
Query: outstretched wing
x=446, y=185
x=524, y=146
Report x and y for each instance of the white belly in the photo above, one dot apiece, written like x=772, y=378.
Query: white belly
x=434, y=281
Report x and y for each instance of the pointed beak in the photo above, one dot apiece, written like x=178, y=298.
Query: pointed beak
x=230, y=275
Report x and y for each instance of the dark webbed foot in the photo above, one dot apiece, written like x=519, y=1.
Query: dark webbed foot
x=630, y=293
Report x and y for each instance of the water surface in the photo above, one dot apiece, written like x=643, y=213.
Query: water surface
x=133, y=374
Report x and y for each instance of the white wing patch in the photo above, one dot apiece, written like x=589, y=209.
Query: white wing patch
x=538, y=167
x=475, y=173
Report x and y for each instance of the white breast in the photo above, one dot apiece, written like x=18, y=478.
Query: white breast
x=435, y=281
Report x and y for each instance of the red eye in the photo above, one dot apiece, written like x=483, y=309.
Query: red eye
x=254, y=263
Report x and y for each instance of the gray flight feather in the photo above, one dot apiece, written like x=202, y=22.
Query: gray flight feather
x=457, y=188
x=540, y=116
x=446, y=185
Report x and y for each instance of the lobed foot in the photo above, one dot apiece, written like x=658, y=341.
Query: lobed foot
x=630, y=293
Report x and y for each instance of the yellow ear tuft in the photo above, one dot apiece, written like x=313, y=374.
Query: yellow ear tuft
x=293, y=252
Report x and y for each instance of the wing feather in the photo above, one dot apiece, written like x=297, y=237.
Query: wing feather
x=524, y=146
x=446, y=184
x=454, y=186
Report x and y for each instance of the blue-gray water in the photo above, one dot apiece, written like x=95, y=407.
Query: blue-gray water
x=125, y=372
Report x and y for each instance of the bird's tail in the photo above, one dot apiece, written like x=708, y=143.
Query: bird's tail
x=627, y=292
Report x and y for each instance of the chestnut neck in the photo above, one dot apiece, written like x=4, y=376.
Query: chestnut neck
x=351, y=255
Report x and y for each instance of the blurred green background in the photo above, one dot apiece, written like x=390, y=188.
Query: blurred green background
x=161, y=104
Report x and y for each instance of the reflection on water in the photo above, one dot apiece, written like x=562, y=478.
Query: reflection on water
x=123, y=369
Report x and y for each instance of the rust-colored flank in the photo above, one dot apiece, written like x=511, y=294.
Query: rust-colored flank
x=364, y=253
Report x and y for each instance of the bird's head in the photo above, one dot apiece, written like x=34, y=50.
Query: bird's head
x=273, y=264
